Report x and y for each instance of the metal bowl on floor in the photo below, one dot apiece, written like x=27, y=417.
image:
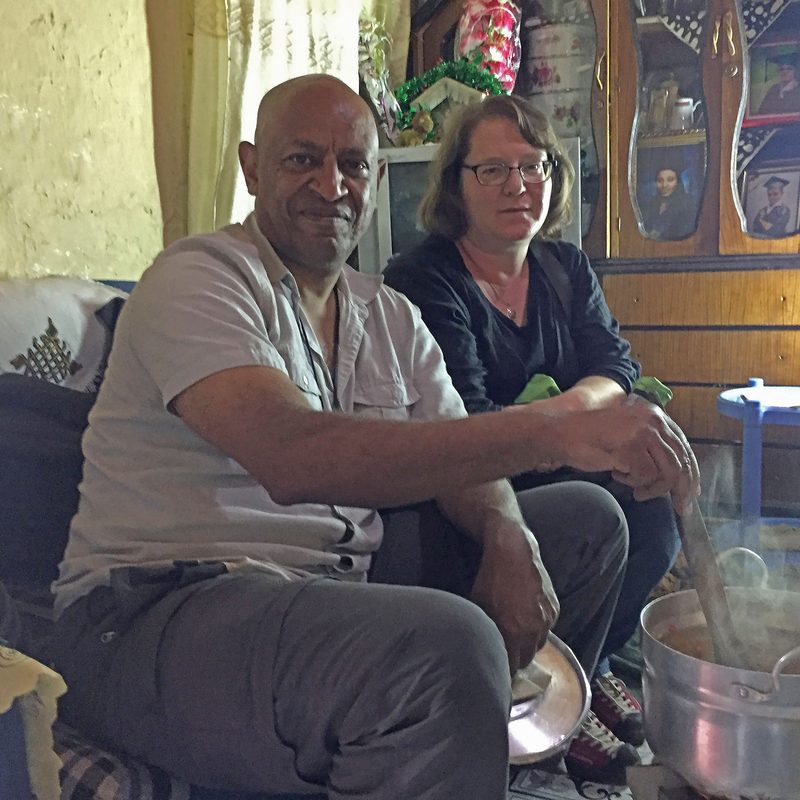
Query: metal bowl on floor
x=543, y=727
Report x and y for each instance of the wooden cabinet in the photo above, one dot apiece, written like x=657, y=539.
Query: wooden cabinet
x=711, y=305
x=682, y=90
x=717, y=60
x=719, y=303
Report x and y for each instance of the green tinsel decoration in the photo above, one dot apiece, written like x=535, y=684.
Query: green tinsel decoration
x=470, y=73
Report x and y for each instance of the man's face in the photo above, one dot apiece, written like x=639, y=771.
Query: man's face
x=774, y=194
x=314, y=172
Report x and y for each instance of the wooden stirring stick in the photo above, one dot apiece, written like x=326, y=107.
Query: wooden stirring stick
x=702, y=561
x=701, y=558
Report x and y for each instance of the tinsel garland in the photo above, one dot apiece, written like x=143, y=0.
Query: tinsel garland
x=464, y=71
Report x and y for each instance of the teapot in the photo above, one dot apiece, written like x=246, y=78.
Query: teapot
x=682, y=116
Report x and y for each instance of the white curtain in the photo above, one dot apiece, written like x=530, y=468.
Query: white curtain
x=241, y=48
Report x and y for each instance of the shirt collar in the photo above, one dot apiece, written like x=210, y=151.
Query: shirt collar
x=351, y=283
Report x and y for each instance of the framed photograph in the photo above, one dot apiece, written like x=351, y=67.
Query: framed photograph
x=669, y=185
x=771, y=201
x=774, y=91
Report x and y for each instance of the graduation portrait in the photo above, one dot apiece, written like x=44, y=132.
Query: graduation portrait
x=771, y=202
x=774, y=82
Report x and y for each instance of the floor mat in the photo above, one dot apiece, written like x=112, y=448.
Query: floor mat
x=533, y=784
x=530, y=783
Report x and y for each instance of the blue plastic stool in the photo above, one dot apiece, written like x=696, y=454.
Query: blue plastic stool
x=757, y=405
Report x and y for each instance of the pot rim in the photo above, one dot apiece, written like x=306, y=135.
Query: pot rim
x=690, y=603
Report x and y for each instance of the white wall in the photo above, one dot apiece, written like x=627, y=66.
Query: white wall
x=78, y=191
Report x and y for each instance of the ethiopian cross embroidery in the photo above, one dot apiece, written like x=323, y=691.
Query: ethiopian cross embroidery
x=48, y=358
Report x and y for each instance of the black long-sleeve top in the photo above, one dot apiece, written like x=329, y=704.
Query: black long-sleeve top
x=490, y=359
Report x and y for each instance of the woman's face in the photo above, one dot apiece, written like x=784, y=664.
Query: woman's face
x=666, y=182
x=514, y=211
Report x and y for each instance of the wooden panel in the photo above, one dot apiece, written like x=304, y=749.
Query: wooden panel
x=770, y=297
x=694, y=408
x=720, y=470
x=718, y=357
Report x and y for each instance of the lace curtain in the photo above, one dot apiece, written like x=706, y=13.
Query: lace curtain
x=240, y=49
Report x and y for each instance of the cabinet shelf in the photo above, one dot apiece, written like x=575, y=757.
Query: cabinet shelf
x=672, y=138
x=651, y=25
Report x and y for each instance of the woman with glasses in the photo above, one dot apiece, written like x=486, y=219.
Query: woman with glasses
x=497, y=196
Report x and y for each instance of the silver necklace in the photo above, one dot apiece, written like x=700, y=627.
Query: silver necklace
x=508, y=311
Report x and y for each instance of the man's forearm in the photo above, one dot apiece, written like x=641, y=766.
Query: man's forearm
x=350, y=461
x=484, y=511
x=258, y=417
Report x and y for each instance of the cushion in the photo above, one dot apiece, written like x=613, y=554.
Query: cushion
x=90, y=773
x=50, y=328
x=14, y=778
x=40, y=451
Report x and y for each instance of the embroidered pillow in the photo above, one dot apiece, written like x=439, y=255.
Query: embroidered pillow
x=58, y=329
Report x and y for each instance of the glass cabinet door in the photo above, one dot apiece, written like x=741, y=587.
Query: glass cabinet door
x=556, y=73
x=668, y=164
x=767, y=159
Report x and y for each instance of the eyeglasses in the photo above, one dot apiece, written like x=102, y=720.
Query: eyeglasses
x=497, y=174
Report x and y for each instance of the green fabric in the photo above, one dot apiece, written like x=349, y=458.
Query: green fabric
x=540, y=387
x=653, y=390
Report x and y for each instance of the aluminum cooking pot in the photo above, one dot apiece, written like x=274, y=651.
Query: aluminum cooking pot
x=730, y=733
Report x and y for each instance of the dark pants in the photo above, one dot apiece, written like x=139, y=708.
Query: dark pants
x=243, y=681
x=654, y=543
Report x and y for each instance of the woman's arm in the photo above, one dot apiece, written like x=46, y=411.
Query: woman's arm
x=588, y=394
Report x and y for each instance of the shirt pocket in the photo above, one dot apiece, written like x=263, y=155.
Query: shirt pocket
x=391, y=399
x=306, y=381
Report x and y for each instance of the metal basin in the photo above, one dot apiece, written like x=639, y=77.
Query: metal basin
x=729, y=733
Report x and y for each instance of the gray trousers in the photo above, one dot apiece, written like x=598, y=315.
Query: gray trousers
x=368, y=691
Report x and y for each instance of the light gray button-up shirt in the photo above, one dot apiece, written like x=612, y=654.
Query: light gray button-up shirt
x=154, y=491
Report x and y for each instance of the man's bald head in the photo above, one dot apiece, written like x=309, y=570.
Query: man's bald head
x=302, y=94
x=314, y=171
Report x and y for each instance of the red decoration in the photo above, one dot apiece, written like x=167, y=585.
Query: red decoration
x=490, y=29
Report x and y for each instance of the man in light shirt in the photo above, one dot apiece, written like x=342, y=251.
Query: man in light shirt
x=225, y=611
